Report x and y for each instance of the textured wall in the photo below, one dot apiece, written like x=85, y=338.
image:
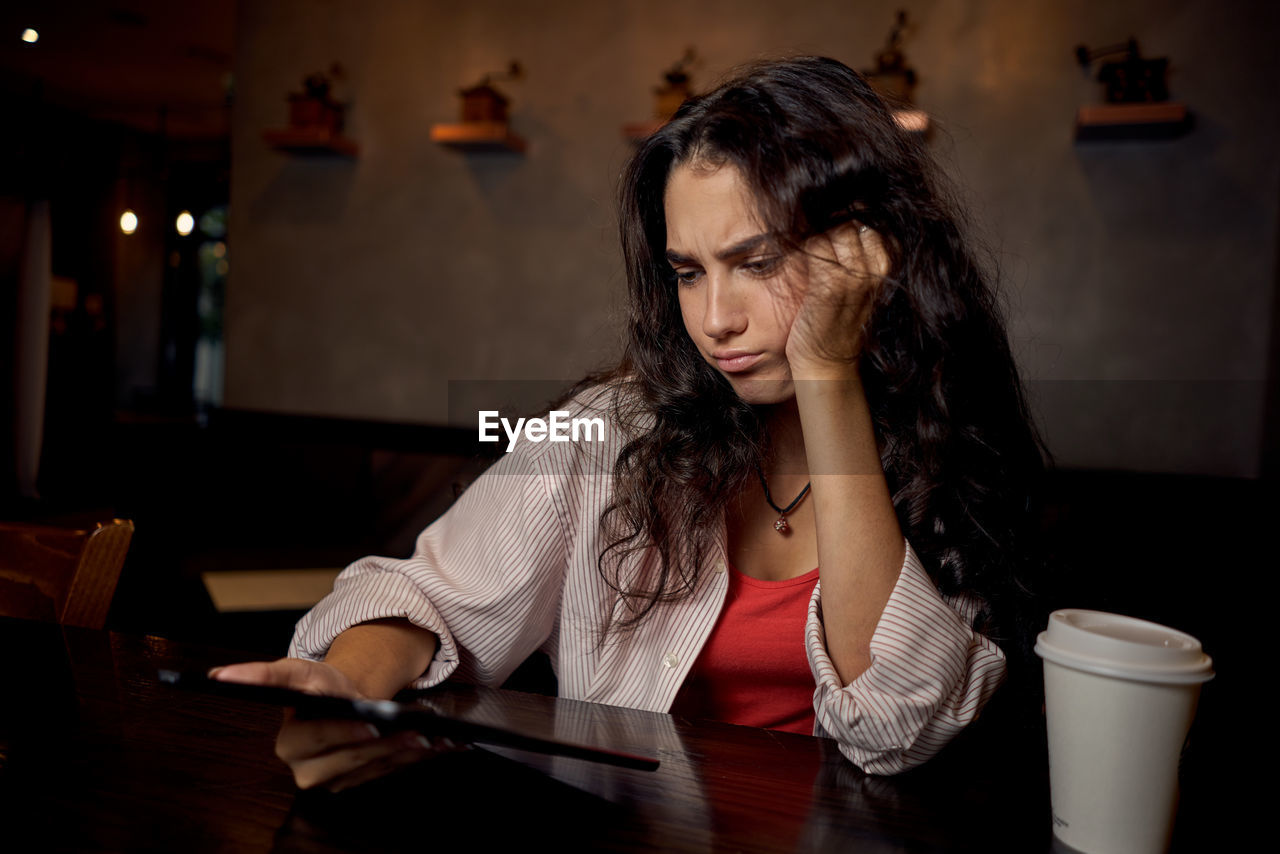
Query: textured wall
x=1140, y=277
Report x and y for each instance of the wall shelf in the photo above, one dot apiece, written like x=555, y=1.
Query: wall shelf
x=1164, y=120
x=912, y=121
x=311, y=141
x=479, y=137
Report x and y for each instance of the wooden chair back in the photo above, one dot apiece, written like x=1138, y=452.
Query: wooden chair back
x=60, y=574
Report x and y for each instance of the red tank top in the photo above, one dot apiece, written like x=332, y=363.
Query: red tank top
x=753, y=669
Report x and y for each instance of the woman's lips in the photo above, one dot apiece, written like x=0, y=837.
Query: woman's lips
x=733, y=361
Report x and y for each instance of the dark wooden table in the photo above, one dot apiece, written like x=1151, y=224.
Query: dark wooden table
x=95, y=755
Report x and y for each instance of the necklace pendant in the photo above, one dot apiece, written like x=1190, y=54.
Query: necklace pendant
x=782, y=526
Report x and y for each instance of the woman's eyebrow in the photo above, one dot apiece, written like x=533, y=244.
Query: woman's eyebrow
x=675, y=259
x=742, y=247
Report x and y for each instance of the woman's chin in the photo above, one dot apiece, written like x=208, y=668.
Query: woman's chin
x=760, y=391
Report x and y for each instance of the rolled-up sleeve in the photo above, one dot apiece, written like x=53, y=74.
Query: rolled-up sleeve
x=486, y=579
x=930, y=675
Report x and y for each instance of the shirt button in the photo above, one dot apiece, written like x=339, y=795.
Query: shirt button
x=719, y=567
x=670, y=660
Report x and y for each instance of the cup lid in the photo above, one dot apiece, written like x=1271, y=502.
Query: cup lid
x=1124, y=647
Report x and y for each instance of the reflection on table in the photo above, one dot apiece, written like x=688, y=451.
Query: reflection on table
x=96, y=755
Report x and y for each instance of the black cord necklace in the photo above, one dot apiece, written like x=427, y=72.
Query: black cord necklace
x=782, y=526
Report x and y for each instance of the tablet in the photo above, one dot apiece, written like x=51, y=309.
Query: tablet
x=390, y=716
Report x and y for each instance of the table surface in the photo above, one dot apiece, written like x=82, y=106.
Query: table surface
x=96, y=755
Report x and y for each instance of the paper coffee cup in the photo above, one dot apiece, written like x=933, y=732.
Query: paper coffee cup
x=1120, y=695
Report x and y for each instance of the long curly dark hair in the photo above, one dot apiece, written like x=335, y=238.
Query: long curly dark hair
x=819, y=148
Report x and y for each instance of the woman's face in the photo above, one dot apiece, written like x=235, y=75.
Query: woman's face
x=736, y=287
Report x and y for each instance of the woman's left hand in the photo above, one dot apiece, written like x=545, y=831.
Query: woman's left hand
x=842, y=270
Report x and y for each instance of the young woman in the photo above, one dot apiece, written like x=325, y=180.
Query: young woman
x=810, y=508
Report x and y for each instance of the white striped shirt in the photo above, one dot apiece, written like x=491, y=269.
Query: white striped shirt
x=512, y=568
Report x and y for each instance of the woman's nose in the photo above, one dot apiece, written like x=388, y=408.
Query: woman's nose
x=725, y=314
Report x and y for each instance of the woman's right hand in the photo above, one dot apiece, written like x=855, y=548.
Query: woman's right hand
x=333, y=754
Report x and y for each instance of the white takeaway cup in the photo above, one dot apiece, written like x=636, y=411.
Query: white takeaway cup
x=1120, y=695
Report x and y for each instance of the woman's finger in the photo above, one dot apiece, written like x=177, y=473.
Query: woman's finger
x=838, y=269
x=310, y=676
x=859, y=248
x=276, y=674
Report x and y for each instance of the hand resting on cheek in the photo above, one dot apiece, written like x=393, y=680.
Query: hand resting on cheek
x=841, y=271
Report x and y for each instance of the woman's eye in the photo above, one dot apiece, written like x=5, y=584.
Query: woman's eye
x=686, y=277
x=762, y=266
